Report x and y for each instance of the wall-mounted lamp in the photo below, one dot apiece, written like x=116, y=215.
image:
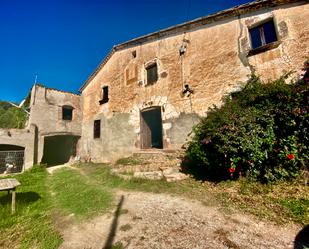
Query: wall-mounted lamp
x=187, y=89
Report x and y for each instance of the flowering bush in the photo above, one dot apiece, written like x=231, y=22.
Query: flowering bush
x=291, y=157
x=260, y=132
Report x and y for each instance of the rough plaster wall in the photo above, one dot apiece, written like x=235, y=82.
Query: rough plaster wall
x=181, y=128
x=24, y=138
x=46, y=113
x=215, y=64
x=117, y=139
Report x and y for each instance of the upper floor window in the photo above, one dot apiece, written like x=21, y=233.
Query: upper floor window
x=104, y=95
x=152, y=73
x=97, y=129
x=263, y=34
x=67, y=112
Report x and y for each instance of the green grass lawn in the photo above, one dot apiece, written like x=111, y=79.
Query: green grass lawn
x=31, y=225
x=86, y=190
x=74, y=193
x=281, y=202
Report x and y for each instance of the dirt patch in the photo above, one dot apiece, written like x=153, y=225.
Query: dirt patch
x=164, y=221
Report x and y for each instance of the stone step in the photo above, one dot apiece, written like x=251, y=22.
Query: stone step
x=170, y=175
x=153, y=164
x=157, y=152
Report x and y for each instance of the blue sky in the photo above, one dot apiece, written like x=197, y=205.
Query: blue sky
x=62, y=41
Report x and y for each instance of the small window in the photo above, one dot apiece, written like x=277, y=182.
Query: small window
x=152, y=74
x=134, y=54
x=97, y=129
x=67, y=112
x=104, y=95
x=263, y=34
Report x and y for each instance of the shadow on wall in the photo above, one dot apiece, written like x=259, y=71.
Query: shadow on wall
x=302, y=239
x=112, y=233
x=59, y=149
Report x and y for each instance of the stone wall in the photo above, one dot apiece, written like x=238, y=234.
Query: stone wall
x=25, y=138
x=46, y=113
x=216, y=63
x=117, y=138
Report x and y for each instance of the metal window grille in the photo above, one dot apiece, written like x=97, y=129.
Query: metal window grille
x=11, y=161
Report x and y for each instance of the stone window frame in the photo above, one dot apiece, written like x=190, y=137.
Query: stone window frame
x=65, y=116
x=147, y=65
x=268, y=46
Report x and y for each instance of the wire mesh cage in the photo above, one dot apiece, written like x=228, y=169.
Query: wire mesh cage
x=11, y=161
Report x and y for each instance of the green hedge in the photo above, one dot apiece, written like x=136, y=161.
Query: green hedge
x=260, y=132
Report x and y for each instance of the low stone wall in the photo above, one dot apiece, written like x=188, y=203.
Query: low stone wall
x=25, y=138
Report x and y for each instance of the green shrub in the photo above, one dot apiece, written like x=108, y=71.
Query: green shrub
x=260, y=132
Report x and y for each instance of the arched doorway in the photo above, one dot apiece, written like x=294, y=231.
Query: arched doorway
x=59, y=149
x=151, y=128
x=11, y=158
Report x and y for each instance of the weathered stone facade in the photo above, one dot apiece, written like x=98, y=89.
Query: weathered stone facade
x=25, y=138
x=177, y=74
x=46, y=125
x=216, y=58
x=46, y=113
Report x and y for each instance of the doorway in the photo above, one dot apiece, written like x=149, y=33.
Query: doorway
x=151, y=128
x=59, y=149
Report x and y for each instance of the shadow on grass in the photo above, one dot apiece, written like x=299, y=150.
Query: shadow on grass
x=302, y=239
x=202, y=173
x=23, y=197
x=112, y=233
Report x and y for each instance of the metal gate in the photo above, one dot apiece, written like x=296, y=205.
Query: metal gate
x=11, y=161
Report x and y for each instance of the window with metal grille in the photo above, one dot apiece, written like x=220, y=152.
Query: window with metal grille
x=97, y=129
x=152, y=74
x=263, y=34
x=67, y=112
x=104, y=95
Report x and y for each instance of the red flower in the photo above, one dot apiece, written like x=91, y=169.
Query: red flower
x=291, y=157
x=232, y=170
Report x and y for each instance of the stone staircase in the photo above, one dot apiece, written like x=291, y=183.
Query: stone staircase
x=151, y=164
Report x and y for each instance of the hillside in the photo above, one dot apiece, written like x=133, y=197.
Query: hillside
x=12, y=117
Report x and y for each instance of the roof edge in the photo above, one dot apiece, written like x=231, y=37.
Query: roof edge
x=54, y=89
x=186, y=26
x=98, y=68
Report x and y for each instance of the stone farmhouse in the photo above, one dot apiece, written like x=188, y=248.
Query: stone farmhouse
x=149, y=92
